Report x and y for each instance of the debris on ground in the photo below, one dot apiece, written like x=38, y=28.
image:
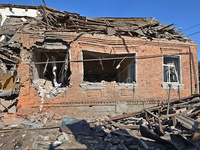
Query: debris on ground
x=149, y=129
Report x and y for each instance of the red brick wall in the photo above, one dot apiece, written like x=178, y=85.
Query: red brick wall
x=149, y=70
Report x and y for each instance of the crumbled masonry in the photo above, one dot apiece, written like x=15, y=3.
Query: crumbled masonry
x=149, y=128
x=72, y=82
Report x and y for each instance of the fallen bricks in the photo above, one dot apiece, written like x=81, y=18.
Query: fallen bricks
x=148, y=129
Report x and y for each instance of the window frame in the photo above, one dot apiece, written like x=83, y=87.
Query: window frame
x=179, y=77
x=94, y=51
x=86, y=84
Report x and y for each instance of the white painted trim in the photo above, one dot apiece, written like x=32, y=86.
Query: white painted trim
x=17, y=12
x=69, y=50
x=132, y=86
x=135, y=62
x=136, y=67
x=180, y=69
x=175, y=85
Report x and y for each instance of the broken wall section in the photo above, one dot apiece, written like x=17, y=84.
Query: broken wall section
x=12, y=19
x=51, y=68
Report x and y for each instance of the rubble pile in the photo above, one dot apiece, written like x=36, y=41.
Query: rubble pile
x=8, y=105
x=10, y=59
x=46, y=118
x=9, y=45
x=46, y=89
x=149, y=28
x=146, y=129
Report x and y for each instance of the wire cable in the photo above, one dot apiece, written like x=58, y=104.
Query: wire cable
x=90, y=60
x=191, y=27
x=194, y=33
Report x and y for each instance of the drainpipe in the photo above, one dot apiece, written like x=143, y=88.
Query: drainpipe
x=195, y=76
x=194, y=72
x=190, y=70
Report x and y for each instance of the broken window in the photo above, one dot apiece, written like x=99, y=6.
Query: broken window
x=109, y=67
x=56, y=69
x=171, y=69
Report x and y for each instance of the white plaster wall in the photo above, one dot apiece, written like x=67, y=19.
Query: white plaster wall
x=6, y=12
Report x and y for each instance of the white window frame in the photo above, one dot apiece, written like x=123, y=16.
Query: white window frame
x=178, y=75
x=120, y=85
x=175, y=85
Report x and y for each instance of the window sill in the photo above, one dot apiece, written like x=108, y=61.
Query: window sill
x=92, y=85
x=132, y=86
x=174, y=85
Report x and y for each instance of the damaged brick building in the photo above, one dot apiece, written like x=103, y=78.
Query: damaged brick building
x=71, y=62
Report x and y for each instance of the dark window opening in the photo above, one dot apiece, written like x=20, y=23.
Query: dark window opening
x=56, y=68
x=113, y=69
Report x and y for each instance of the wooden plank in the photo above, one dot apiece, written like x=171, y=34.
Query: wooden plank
x=127, y=115
x=168, y=102
x=88, y=22
x=160, y=124
x=193, y=114
x=5, y=76
x=146, y=115
x=174, y=120
x=154, y=108
x=151, y=113
x=137, y=127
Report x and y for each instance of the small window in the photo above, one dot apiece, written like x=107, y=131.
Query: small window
x=171, y=69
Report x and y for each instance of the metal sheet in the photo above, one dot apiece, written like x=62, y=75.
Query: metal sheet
x=187, y=122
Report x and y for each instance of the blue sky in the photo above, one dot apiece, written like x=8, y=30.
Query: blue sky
x=183, y=13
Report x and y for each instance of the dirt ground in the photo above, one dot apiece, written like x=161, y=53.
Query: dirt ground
x=14, y=135
x=44, y=131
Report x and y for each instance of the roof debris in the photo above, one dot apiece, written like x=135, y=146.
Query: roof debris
x=52, y=19
x=137, y=130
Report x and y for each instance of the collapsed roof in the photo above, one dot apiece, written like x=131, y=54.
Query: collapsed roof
x=53, y=19
x=134, y=27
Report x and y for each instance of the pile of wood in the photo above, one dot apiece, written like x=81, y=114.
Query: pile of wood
x=52, y=19
x=179, y=128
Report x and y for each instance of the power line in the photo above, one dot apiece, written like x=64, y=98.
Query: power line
x=191, y=27
x=97, y=59
x=194, y=33
x=101, y=59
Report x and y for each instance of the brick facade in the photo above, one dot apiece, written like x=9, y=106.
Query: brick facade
x=149, y=70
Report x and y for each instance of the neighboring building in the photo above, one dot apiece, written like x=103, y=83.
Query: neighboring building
x=98, y=64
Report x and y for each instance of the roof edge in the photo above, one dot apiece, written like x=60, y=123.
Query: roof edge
x=18, y=6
